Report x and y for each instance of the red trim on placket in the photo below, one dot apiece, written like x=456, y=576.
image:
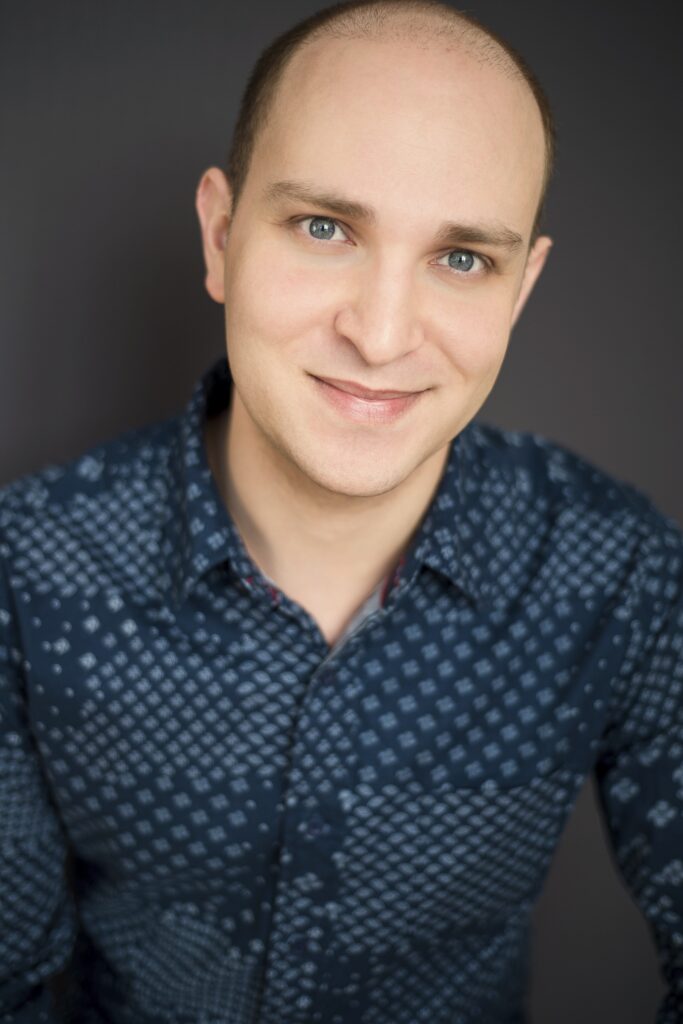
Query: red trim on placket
x=391, y=580
x=275, y=594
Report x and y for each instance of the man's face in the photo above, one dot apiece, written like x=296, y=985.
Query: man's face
x=420, y=136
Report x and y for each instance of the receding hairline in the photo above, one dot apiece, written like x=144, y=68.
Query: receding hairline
x=419, y=22
x=422, y=23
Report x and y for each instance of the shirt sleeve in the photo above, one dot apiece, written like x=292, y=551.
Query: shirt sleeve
x=639, y=771
x=37, y=914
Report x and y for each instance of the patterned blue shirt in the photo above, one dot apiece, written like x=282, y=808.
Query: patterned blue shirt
x=210, y=816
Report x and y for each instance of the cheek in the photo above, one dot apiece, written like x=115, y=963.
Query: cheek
x=270, y=299
x=473, y=333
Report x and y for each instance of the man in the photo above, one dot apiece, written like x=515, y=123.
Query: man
x=302, y=684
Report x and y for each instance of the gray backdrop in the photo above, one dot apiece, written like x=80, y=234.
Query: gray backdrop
x=109, y=112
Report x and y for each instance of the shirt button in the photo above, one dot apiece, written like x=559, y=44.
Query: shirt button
x=315, y=826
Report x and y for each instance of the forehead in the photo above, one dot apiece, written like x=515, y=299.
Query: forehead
x=410, y=119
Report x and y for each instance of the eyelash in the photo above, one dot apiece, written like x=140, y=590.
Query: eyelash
x=487, y=263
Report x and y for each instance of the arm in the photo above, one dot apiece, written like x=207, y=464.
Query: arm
x=639, y=772
x=37, y=916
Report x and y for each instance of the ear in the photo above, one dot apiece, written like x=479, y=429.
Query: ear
x=213, y=203
x=534, y=265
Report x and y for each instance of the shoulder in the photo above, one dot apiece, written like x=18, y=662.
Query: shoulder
x=579, y=498
x=107, y=471
x=108, y=496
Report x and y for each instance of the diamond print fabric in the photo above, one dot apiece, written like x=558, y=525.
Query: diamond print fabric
x=209, y=816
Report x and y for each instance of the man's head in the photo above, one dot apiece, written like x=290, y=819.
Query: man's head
x=386, y=234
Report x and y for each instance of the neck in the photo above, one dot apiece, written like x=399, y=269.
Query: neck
x=302, y=535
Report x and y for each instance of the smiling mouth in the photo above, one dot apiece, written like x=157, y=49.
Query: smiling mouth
x=370, y=408
x=367, y=394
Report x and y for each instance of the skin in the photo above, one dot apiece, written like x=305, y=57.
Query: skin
x=422, y=134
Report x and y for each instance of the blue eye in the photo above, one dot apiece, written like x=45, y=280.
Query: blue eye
x=464, y=262
x=460, y=259
x=321, y=227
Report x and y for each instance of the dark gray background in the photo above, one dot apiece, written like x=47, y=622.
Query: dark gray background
x=109, y=113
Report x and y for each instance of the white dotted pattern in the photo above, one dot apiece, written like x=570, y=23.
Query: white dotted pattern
x=208, y=815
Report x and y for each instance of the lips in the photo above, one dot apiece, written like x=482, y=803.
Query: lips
x=364, y=406
x=368, y=394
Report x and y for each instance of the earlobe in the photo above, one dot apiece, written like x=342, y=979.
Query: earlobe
x=213, y=202
x=534, y=266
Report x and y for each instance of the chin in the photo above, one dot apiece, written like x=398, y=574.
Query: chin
x=355, y=480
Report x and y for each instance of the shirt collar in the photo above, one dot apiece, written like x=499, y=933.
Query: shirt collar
x=475, y=531
x=200, y=532
x=483, y=528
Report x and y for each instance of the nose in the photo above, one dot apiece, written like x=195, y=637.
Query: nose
x=379, y=316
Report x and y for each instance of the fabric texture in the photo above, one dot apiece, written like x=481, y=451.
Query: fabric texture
x=210, y=816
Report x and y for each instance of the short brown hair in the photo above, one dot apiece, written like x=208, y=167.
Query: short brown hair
x=363, y=18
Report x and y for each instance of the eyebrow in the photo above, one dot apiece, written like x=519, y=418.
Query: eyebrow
x=449, y=233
